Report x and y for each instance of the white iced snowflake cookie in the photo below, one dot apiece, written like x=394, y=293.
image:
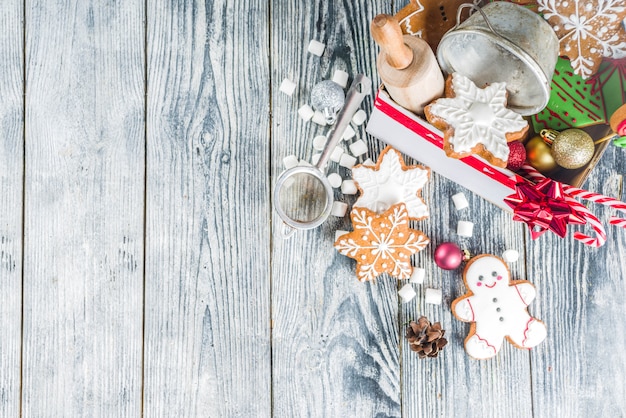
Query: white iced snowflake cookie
x=389, y=182
x=381, y=243
x=587, y=30
x=475, y=120
x=497, y=308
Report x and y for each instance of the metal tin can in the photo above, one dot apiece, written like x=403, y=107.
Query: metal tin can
x=504, y=43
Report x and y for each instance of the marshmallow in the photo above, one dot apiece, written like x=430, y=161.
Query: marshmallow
x=306, y=113
x=433, y=296
x=319, y=142
x=368, y=162
x=304, y=163
x=290, y=161
x=335, y=180
x=347, y=161
x=315, y=158
x=418, y=275
x=510, y=256
x=406, y=293
x=316, y=48
x=358, y=148
x=339, y=209
x=348, y=187
x=465, y=228
x=348, y=133
x=319, y=118
x=339, y=233
x=288, y=87
x=341, y=78
x=460, y=202
x=359, y=117
x=336, y=154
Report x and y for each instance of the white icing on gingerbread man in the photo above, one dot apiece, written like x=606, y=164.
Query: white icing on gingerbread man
x=497, y=308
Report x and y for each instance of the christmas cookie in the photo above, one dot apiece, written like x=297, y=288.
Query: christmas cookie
x=475, y=120
x=587, y=30
x=429, y=19
x=381, y=243
x=496, y=307
x=389, y=182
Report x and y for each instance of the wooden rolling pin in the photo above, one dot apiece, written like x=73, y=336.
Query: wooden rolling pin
x=406, y=65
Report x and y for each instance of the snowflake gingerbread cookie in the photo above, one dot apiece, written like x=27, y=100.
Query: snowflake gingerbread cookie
x=587, y=30
x=475, y=120
x=381, y=243
x=389, y=182
x=497, y=308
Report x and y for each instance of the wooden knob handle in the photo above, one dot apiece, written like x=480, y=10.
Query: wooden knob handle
x=388, y=35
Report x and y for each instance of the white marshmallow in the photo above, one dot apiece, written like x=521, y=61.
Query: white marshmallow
x=347, y=161
x=348, y=187
x=319, y=142
x=304, y=163
x=339, y=233
x=465, y=228
x=306, y=113
x=510, y=256
x=316, y=48
x=348, y=133
x=335, y=180
x=315, y=158
x=288, y=87
x=406, y=293
x=290, y=161
x=341, y=78
x=359, y=117
x=460, y=202
x=319, y=118
x=336, y=154
x=418, y=275
x=339, y=209
x=433, y=296
x=368, y=163
x=358, y=148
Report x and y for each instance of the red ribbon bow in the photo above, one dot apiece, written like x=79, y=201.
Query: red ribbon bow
x=543, y=207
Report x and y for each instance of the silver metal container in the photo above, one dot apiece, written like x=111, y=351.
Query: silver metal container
x=504, y=43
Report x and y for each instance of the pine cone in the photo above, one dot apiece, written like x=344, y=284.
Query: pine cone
x=425, y=339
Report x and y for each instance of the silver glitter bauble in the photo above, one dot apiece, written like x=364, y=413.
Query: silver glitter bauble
x=328, y=97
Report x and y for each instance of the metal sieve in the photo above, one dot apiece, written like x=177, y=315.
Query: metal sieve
x=504, y=43
x=303, y=196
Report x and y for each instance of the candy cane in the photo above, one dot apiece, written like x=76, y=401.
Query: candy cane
x=572, y=192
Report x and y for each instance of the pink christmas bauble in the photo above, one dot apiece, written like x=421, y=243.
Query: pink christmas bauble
x=517, y=156
x=448, y=256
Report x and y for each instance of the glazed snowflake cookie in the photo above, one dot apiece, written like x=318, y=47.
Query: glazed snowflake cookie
x=475, y=120
x=389, y=182
x=497, y=308
x=381, y=243
x=587, y=30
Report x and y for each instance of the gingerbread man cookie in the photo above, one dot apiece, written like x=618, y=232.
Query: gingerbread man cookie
x=497, y=308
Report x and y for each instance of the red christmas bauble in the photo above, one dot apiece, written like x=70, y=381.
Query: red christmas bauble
x=448, y=256
x=517, y=156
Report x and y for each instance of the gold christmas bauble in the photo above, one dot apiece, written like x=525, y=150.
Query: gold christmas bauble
x=539, y=156
x=573, y=148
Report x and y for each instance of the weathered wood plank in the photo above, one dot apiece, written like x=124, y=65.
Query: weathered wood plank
x=207, y=341
x=11, y=192
x=454, y=384
x=579, y=371
x=335, y=340
x=85, y=159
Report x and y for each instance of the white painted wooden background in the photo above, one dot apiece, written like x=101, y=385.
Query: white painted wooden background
x=141, y=271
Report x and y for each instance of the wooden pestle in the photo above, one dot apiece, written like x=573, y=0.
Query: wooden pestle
x=406, y=65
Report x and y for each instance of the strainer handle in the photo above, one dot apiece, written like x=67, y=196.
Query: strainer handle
x=361, y=87
x=473, y=6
